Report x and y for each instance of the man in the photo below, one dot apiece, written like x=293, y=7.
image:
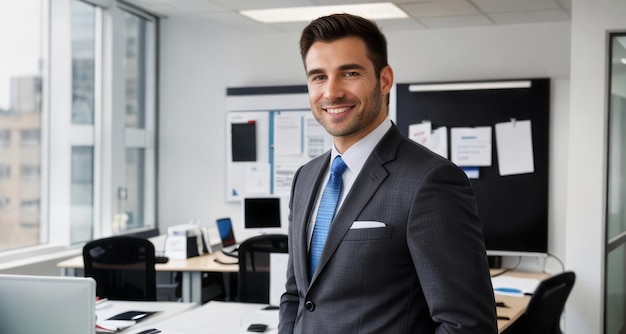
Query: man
x=404, y=252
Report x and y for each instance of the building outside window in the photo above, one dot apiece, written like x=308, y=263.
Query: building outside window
x=21, y=36
x=77, y=122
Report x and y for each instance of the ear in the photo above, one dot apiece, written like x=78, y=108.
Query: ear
x=386, y=80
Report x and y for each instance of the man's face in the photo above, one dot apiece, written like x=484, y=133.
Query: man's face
x=346, y=96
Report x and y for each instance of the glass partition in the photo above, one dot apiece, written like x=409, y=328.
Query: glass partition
x=615, y=301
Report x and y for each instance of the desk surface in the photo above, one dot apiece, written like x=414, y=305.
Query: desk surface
x=217, y=317
x=164, y=310
x=229, y=317
x=515, y=306
x=202, y=263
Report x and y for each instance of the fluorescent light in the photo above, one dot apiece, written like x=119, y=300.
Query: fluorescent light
x=372, y=11
x=623, y=60
x=469, y=86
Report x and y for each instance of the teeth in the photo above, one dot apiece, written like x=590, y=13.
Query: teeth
x=337, y=110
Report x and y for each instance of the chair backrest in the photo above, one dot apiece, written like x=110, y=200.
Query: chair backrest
x=254, y=266
x=543, y=314
x=123, y=267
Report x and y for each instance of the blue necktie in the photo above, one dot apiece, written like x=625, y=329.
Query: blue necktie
x=326, y=211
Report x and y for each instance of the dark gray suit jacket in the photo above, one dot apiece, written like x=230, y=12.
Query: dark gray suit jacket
x=425, y=271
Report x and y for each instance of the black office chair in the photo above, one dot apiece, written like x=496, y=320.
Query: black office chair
x=543, y=314
x=122, y=266
x=254, y=266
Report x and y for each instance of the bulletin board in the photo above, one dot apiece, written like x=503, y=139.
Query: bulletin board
x=270, y=134
x=513, y=208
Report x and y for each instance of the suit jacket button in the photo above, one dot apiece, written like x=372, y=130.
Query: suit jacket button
x=309, y=305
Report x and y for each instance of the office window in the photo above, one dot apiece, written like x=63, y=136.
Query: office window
x=135, y=62
x=84, y=39
x=83, y=62
x=137, y=204
x=135, y=167
x=82, y=195
x=77, y=116
x=21, y=36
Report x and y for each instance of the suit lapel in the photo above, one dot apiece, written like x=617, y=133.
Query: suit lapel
x=311, y=181
x=367, y=182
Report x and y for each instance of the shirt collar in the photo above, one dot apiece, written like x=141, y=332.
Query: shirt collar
x=357, y=154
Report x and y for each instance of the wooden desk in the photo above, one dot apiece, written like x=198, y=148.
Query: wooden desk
x=515, y=306
x=192, y=269
x=217, y=317
x=164, y=310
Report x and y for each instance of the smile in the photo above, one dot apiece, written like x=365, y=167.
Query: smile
x=336, y=110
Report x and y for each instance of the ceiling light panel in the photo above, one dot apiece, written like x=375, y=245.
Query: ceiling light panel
x=372, y=11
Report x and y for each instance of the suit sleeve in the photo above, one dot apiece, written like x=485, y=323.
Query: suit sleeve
x=444, y=235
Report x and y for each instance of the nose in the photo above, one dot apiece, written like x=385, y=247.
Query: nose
x=334, y=90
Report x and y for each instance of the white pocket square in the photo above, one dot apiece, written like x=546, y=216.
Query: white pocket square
x=366, y=224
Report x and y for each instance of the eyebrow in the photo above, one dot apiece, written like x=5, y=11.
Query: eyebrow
x=341, y=68
x=351, y=67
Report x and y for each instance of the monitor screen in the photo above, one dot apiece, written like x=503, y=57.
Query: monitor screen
x=261, y=212
x=47, y=304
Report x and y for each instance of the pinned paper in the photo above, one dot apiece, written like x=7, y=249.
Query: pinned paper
x=435, y=140
x=420, y=132
x=471, y=146
x=514, y=147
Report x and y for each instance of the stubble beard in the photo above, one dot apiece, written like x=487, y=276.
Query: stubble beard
x=358, y=121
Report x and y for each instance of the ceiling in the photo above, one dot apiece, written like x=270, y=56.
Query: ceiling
x=424, y=14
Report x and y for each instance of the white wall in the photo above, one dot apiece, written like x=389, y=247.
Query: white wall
x=586, y=197
x=198, y=62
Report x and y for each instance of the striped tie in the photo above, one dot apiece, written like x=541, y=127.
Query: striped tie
x=326, y=211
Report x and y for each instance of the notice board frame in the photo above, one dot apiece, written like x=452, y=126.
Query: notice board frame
x=513, y=208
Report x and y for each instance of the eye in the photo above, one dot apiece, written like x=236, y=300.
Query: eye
x=318, y=77
x=351, y=74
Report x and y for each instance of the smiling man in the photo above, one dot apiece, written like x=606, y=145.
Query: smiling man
x=384, y=236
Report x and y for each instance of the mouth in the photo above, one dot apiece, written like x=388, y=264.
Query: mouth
x=337, y=110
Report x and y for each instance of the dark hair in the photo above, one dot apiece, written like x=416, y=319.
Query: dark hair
x=337, y=26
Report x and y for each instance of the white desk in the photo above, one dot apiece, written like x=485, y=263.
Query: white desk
x=216, y=317
x=164, y=311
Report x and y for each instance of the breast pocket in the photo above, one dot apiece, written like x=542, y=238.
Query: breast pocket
x=369, y=233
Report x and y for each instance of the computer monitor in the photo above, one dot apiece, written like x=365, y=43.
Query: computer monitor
x=261, y=213
x=47, y=304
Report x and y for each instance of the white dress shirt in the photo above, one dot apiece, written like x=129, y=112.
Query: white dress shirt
x=354, y=158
